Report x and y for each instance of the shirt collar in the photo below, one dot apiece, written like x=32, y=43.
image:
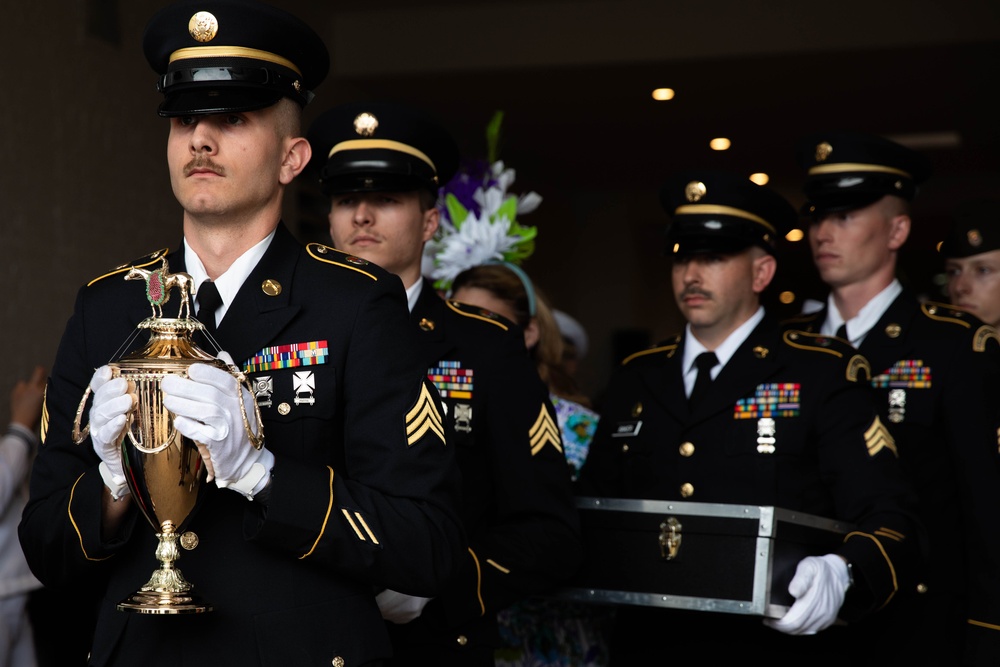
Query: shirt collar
x=228, y=283
x=869, y=315
x=725, y=351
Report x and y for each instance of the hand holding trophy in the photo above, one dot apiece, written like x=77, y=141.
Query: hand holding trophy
x=136, y=437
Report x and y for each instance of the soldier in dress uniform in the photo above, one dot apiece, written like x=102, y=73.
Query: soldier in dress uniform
x=936, y=377
x=733, y=410
x=352, y=487
x=382, y=165
x=971, y=253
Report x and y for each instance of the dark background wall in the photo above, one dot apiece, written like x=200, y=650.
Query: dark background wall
x=85, y=188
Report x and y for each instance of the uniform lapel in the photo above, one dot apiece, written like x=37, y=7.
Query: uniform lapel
x=255, y=318
x=664, y=378
x=887, y=341
x=428, y=317
x=752, y=363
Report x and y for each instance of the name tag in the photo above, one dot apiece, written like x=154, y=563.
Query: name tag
x=627, y=429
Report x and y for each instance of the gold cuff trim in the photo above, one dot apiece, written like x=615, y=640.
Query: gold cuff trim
x=888, y=561
x=362, y=144
x=842, y=167
x=326, y=519
x=232, y=52
x=479, y=583
x=713, y=209
x=69, y=512
x=498, y=566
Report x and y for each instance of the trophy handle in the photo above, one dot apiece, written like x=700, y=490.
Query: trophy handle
x=256, y=440
x=80, y=435
x=138, y=444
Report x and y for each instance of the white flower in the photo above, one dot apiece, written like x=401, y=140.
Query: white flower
x=476, y=242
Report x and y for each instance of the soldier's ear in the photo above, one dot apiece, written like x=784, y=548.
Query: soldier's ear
x=764, y=267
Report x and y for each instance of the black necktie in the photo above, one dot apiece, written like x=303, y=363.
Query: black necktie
x=842, y=332
x=705, y=362
x=209, y=301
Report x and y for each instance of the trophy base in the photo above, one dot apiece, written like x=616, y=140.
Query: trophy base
x=164, y=602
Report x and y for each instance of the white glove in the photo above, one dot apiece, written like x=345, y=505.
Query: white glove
x=108, y=413
x=206, y=407
x=400, y=608
x=819, y=586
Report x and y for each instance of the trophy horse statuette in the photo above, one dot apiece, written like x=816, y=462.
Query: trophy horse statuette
x=164, y=471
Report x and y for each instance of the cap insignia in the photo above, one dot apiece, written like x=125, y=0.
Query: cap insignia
x=898, y=185
x=365, y=124
x=975, y=238
x=694, y=191
x=823, y=151
x=203, y=26
x=297, y=85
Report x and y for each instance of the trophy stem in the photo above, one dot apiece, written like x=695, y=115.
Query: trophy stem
x=166, y=592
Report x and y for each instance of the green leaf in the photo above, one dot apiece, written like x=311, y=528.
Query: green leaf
x=493, y=137
x=508, y=209
x=456, y=212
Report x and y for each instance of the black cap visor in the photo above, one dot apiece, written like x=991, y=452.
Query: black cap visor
x=376, y=170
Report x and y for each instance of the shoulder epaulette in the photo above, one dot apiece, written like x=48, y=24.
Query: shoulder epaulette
x=857, y=365
x=328, y=255
x=476, y=313
x=669, y=347
x=945, y=312
x=140, y=263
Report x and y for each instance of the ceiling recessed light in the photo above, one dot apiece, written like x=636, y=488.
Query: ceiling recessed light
x=662, y=94
x=795, y=235
x=760, y=178
x=719, y=144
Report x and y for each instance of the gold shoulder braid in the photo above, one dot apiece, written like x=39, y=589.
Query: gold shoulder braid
x=804, y=340
x=142, y=262
x=669, y=348
x=944, y=312
x=475, y=313
x=328, y=255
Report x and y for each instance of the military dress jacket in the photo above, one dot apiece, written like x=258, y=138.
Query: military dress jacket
x=936, y=377
x=363, y=496
x=784, y=424
x=518, y=507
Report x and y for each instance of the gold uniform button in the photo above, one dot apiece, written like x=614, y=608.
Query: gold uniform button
x=462, y=640
x=687, y=490
x=338, y=662
x=271, y=287
x=686, y=449
x=189, y=540
x=284, y=409
x=921, y=588
x=624, y=449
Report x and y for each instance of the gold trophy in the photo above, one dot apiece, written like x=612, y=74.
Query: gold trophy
x=164, y=471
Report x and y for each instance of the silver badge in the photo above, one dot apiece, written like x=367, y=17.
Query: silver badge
x=304, y=383
x=463, y=417
x=897, y=405
x=263, y=387
x=765, y=435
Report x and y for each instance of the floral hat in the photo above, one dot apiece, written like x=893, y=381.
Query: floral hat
x=479, y=218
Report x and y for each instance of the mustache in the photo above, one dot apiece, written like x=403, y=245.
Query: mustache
x=203, y=163
x=695, y=291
